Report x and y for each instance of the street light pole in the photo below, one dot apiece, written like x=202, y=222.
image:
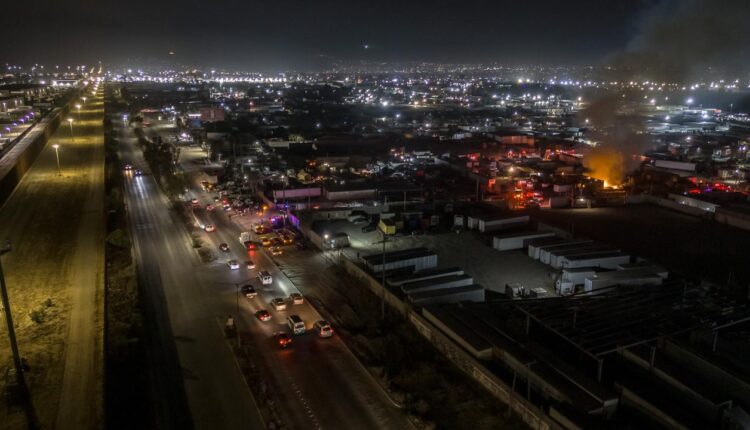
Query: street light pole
x=78, y=106
x=237, y=324
x=57, y=156
x=382, y=271
x=18, y=365
x=72, y=138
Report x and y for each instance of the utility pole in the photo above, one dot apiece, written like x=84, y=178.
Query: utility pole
x=237, y=323
x=382, y=271
x=18, y=365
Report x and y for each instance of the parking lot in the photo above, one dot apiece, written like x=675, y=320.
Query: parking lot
x=490, y=268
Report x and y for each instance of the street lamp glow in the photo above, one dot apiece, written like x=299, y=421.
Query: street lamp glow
x=57, y=157
x=70, y=122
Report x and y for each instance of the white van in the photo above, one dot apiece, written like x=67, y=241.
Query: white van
x=265, y=277
x=296, y=325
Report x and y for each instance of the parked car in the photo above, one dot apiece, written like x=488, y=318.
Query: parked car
x=369, y=228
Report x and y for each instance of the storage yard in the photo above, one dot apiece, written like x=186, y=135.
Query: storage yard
x=644, y=229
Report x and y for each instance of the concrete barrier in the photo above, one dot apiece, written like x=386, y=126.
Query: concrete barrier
x=533, y=416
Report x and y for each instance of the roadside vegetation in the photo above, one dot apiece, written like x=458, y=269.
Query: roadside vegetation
x=434, y=392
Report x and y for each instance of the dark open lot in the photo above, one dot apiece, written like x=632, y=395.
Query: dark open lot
x=686, y=245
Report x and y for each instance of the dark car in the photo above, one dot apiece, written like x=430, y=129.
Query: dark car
x=249, y=291
x=369, y=228
x=263, y=315
x=282, y=339
x=224, y=247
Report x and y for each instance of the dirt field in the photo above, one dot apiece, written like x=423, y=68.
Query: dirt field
x=55, y=225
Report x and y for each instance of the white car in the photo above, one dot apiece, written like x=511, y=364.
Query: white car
x=265, y=278
x=278, y=303
x=209, y=228
x=233, y=264
x=323, y=328
x=296, y=298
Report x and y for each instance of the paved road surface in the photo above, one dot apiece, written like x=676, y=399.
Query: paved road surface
x=190, y=348
x=319, y=381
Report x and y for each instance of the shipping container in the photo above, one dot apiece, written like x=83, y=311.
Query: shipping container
x=518, y=240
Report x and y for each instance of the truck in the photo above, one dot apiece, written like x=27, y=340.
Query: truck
x=245, y=238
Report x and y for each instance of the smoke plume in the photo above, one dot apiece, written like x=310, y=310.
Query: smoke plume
x=681, y=40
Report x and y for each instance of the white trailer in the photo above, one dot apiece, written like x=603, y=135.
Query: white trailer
x=536, y=244
x=518, y=240
x=474, y=293
x=621, y=277
x=571, y=278
x=542, y=254
x=607, y=261
x=437, y=284
x=556, y=258
x=487, y=224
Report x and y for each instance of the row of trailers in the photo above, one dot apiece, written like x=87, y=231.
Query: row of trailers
x=587, y=266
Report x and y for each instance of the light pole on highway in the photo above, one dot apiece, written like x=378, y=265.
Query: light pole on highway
x=72, y=138
x=57, y=156
x=84, y=100
x=78, y=106
x=237, y=323
x=17, y=363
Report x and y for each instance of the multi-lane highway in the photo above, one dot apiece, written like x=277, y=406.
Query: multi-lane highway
x=316, y=382
x=196, y=378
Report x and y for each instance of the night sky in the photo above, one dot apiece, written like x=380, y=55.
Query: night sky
x=312, y=34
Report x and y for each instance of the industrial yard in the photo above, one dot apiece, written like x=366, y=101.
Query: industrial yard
x=698, y=248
